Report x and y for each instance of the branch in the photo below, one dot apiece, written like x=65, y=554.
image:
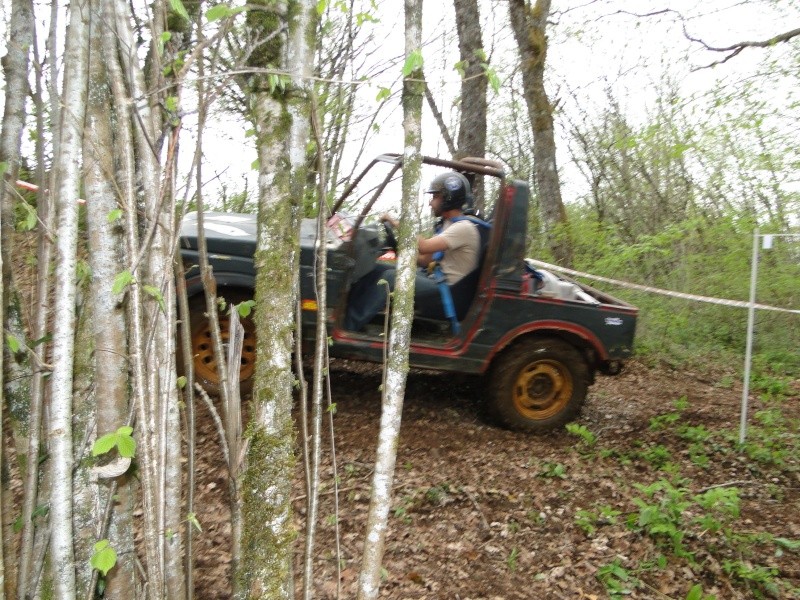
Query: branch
x=439, y=120
x=736, y=48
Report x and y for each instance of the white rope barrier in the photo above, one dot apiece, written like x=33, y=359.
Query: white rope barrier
x=655, y=290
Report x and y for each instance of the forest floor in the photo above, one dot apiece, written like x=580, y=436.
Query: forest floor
x=650, y=498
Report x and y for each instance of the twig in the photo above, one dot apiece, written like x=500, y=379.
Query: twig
x=478, y=508
x=726, y=484
x=217, y=422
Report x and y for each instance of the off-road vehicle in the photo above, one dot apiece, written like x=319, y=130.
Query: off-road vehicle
x=539, y=338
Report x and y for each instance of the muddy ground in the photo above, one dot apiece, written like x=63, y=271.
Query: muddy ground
x=480, y=512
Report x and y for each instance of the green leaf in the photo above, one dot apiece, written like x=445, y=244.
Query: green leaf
x=413, y=63
x=162, y=40
x=126, y=446
x=494, y=80
x=171, y=103
x=461, y=67
x=12, y=343
x=321, y=6
x=156, y=294
x=182, y=382
x=114, y=215
x=383, y=94
x=788, y=544
x=245, y=308
x=365, y=17
x=104, y=557
x=104, y=444
x=30, y=219
x=696, y=593
x=215, y=13
x=255, y=165
x=192, y=519
x=177, y=7
x=125, y=430
x=121, y=281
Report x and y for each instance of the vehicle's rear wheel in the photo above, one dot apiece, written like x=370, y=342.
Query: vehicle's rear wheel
x=538, y=385
x=203, y=359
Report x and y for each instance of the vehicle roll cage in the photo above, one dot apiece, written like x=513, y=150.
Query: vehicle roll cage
x=469, y=165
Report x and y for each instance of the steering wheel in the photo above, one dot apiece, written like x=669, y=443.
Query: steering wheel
x=391, y=238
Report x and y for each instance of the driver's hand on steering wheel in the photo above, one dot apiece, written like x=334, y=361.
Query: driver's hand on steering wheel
x=386, y=218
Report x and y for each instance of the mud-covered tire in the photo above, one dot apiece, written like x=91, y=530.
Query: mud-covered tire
x=203, y=359
x=538, y=385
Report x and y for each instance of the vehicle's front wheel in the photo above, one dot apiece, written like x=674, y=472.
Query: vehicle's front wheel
x=203, y=359
x=538, y=385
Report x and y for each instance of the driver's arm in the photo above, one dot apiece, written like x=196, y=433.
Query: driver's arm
x=428, y=247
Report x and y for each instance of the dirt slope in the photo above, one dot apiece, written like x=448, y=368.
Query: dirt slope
x=485, y=513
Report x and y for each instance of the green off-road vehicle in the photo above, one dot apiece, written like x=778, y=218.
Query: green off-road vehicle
x=539, y=338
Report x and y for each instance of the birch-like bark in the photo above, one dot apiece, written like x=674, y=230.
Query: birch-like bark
x=59, y=433
x=15, y=72
x=530, y=30
x=135, y=130
x=402, y=314
x=106, y=258
x=264, y=570
x=300, y=63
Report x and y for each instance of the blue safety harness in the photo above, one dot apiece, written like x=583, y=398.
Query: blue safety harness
x=441, y=280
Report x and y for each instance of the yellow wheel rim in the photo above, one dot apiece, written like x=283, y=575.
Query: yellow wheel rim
x=542, y=389
x=205, y=363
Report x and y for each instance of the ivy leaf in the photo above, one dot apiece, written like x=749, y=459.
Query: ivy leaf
x=114, y=215
x=121, y=281
x=383, y=94
x=177, y=7
x=104, y=444
x=413, y=63
x=104, y=557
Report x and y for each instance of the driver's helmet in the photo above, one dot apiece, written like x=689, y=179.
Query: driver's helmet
x=455, y=190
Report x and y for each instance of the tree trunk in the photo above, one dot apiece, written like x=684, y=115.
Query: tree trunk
x=106, y=244
x=15, y=70
x=530, y=25
x=402, y=314
x=279, y=118
x=59, y=434
x=472, y=127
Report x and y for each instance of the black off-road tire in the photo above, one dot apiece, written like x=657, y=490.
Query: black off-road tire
x=538, y=385
x=203, y=359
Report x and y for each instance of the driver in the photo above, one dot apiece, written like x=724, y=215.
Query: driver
x=456, y=247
